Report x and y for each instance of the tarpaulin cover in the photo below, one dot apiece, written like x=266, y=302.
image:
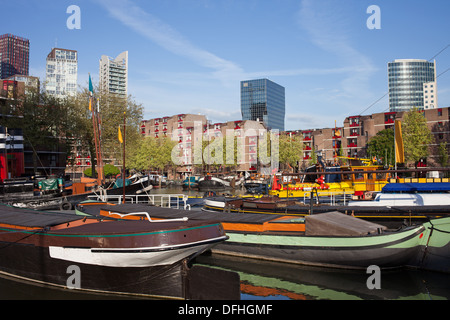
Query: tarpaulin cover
x=50, y=184
x=119, y=183
x=339, y=224
x=417, y=187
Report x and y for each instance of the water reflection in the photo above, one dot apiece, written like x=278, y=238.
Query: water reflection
x=272, y=280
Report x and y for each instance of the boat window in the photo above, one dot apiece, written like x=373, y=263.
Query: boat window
x=359, y=175
x=381, y=176
x=346, y=176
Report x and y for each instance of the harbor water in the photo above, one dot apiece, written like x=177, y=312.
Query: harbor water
x=265, y=280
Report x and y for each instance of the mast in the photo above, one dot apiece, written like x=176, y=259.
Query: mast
x=123, y=163
x=96, y=126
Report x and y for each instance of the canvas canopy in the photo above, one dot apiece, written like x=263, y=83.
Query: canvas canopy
x=339, y=224
x=50, y=184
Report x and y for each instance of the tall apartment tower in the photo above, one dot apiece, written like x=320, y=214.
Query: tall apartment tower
x=263, y=100
x=406, y=84
x=14, y=55
x=114, y=74
x=61, y=72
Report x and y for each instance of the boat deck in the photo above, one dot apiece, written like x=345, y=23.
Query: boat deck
x=33, y=219
x=168, y=213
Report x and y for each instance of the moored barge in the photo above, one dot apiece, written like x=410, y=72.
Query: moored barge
x=112, y=256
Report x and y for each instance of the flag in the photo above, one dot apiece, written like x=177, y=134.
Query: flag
x=91, y=87
x=91, y=92
x=399, y=150
x=120, y=136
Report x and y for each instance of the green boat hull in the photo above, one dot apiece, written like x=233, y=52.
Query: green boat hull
x=387, y=250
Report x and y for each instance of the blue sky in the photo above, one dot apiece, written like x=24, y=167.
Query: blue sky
x=189, y=56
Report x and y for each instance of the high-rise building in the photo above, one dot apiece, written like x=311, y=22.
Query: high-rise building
x=406, y=83
x=61, y=72
x=430, y=100
x=14, y=55
x=263, y=100
x=114, y=74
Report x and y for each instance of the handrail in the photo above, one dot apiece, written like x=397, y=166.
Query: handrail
x=148, y=216
x=147, y=198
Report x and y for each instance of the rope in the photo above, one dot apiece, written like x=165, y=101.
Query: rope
x=29, y=235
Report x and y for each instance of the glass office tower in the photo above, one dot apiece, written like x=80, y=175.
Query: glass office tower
x=406, y=83
x=263, y=100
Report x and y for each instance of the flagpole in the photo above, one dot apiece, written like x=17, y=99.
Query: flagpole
x=395, y=151
x=95, y=128
x=123, y=162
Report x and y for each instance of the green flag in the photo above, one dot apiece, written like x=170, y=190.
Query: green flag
x=91, y=88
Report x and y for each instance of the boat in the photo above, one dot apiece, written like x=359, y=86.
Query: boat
x=391, y=216
x=410, y=194
x=210, y=183
x=69, y=197
x=190, y=182
x=157, y=180
x=112, y=255
x=356, y=180
x=256, y=186
x=330, y=239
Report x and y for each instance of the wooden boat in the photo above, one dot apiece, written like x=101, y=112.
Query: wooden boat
x=208, y=183
x=69, y=197
x=391, y=216
x=190, y=182
x=256, y=186
x=114, y=256
x=333, y=239
x=354, y=179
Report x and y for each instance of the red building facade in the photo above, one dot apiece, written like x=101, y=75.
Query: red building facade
x=14, y=55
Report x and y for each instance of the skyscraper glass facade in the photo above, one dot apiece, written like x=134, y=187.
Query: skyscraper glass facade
x=263, y=100
x=406, y=83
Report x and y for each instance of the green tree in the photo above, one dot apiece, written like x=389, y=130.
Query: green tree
x=416, y=135
x=290, y=149
x=44, y=120
x=443, y=154
x=152, y=153
x=382, y=146
x=110, y=170
x=112, y=108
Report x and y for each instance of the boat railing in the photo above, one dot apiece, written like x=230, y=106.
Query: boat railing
x=149, y=219
x=176, y=201
x=333, y=197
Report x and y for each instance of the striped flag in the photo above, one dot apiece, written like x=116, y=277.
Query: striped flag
x=399, y=150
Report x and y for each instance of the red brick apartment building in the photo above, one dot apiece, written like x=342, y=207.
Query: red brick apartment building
x=181, y=128
x=355, y=133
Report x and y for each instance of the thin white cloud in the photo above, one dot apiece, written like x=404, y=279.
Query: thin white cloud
x=167, y=37
x=328, y=29
x=170, y=39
